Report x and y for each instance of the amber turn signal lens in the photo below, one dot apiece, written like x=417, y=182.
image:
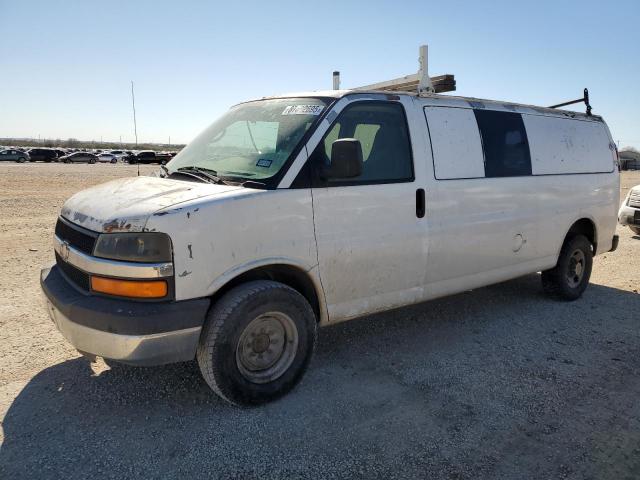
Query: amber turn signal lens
x=130, y=288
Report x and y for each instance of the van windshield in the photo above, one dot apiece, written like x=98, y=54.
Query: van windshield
x=252, y=141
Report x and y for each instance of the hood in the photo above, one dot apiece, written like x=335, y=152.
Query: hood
x=125, y=204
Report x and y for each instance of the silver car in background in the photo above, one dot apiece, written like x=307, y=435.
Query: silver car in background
x=79, y=157
x=107, y=158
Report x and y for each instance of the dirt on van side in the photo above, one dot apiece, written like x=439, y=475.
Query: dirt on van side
x=499, y=382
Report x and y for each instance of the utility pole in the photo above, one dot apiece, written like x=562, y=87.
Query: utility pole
x=133, y=103
x=169, y=140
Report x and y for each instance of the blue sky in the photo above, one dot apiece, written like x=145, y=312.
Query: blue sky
x=66, y=66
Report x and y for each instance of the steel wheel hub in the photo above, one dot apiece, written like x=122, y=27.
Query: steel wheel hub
x=576, y=268
x=267, y=347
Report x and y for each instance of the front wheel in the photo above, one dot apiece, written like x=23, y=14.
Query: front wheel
x=635, y=230
x=570, y=277
x=22, y=160
x=257, y=342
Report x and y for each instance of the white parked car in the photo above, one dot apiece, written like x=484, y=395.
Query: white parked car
x=107, y=158
x=119, y=154
x=629, y=213
x=294, y=212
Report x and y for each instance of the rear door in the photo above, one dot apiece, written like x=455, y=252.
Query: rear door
x=372, y=244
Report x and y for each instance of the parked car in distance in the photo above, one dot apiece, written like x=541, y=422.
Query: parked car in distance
x=107, y=158
x=79, y=157
x=42, y=155
x=12, y=155
x=144, y=156
x=629, y=213
x=293, y=213
x=119, y=154
x=163, y=157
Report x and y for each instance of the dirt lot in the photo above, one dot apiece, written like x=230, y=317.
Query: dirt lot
x=500, y=382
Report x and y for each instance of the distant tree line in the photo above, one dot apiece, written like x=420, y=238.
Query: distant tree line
x=75, y=143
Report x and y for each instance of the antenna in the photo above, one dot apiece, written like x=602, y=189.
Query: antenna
x=135, y=126
x=336, y=80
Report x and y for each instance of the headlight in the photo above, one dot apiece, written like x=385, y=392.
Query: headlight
x=134, y=247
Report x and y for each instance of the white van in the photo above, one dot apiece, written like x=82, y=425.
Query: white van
x=306, y=210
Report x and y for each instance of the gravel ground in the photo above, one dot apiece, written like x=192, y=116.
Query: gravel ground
x=500, y=382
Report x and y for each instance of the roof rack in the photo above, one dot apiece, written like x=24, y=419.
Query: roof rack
x=585, y=99
x=419, y=83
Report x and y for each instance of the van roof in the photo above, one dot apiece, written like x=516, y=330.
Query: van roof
x=448, y=100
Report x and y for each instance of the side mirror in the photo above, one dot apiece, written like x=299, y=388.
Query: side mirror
x=346, y=159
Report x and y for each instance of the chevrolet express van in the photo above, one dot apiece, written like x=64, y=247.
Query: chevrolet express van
x=300, y=211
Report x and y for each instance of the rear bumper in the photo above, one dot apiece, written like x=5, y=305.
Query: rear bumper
x=137, y=333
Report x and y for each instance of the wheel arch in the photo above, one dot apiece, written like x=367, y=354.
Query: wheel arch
x=584, y=226
x=292, y=275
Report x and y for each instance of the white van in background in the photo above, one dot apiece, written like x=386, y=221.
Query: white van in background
x=306, y=210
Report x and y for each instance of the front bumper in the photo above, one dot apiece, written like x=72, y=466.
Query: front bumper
x=629, y=216
x=133, y=332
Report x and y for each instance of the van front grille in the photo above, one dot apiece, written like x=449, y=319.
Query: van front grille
x=77, y=237
x=73, y=274
x=634, y=200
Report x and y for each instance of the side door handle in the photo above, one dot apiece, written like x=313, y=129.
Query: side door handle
x=420, y=203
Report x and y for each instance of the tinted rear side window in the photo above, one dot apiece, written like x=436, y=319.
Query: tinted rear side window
x=504, y=139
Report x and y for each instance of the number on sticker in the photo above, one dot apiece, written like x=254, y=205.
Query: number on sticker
x=303, y=110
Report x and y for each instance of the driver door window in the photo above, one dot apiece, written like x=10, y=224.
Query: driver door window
x=382, y=130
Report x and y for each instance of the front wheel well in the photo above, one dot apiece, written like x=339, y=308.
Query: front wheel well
x=585, y=227
x=289, y=275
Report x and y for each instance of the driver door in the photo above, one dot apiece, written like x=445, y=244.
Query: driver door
x=372, y=243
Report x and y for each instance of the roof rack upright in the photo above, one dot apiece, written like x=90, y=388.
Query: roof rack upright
x=585, y=99
x=420, y=83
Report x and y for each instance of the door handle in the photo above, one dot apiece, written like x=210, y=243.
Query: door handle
x=420, y=203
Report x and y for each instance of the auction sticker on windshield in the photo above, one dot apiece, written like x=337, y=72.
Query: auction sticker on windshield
x=303, y=110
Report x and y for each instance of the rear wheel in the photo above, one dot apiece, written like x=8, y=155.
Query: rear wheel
x=635, y=230
x=22, y=160
x=257, y=342
x=570, y=277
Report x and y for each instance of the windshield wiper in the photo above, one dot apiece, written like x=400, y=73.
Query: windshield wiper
x=202, y=173
x=254, y=184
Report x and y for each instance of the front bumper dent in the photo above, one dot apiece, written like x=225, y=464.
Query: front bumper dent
x=137, y=333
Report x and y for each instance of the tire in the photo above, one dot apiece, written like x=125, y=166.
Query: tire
x=22, y=160
x=635, y=230
x=570, y=277
x=234, y=337
x=91, y=162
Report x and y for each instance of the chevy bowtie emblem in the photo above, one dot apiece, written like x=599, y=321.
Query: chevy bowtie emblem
x=64, y=250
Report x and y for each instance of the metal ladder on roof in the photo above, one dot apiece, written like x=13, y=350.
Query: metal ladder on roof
x=420, y=83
